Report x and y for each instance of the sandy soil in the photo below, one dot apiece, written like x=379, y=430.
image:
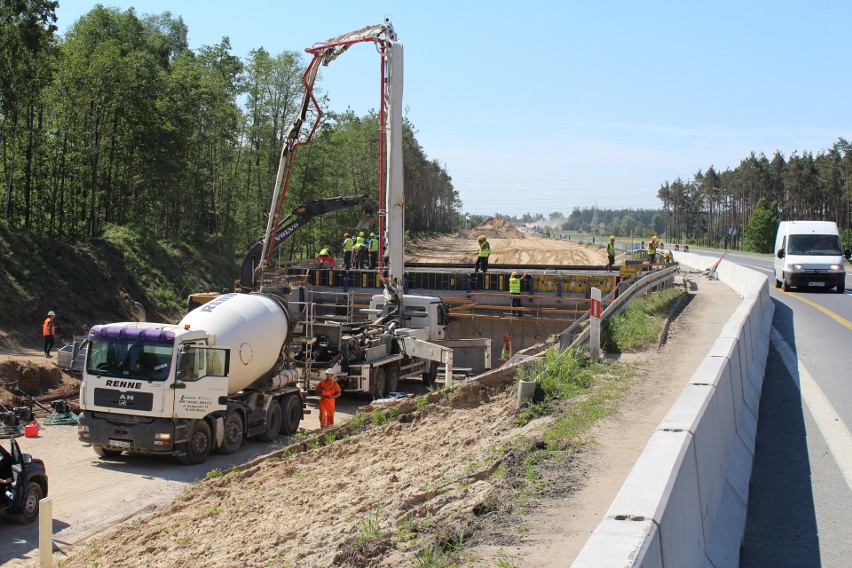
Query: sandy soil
x=508, y=246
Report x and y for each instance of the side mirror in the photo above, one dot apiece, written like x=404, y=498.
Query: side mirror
x=780, y=253
x=27, y=459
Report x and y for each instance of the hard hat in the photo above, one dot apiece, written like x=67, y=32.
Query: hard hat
x=345, y=234
x=51, y=313
x=324, y=252
x=372, y=234
x=480, y=238
x=361, y=234
x=514, y=273
x=612, y=238
x=329, y=371
x=505, y=337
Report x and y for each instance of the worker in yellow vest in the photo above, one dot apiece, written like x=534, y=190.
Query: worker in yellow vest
x=348, y=244
x=652, y=249
x=374, y=251
x=610, y=252
x=515, y=289
x=484, y=253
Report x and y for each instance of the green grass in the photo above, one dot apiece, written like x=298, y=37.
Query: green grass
x=639, y=325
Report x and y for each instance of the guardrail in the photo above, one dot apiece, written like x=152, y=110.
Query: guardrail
x=578, y=332
x=684, y=502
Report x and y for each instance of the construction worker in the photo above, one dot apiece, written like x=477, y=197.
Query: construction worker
x=484, y=253
x=652, y=249
x=610, y=252
x=374, y=251
x=48, y=331
x=360, y=251
x=515, y=289
x=325, y=259
x=328, y=390
x=348, y=245
x=506, y=353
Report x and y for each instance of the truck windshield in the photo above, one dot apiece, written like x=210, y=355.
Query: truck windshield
x=814, y=245
x=128, y=360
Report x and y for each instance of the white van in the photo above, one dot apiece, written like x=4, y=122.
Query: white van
x=808, y=253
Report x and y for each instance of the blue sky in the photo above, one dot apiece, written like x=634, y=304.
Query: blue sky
x=542, y=106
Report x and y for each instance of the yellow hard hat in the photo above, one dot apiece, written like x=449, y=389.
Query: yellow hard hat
x=372, y=234
x=480, y=238
x=361, y=234
x=612, y=238
x=514, y=273
x=345, y=234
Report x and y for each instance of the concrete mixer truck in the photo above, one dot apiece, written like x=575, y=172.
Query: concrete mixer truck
x=216, y=378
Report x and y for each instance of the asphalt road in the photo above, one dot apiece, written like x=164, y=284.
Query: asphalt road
x=800, y=497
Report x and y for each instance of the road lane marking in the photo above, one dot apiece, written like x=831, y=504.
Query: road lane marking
x=841, y=320
x=827, y=419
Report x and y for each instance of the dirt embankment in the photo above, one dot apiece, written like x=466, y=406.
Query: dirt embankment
x=509, y=246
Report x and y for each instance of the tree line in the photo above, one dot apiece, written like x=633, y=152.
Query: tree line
x=716, y=208
x=119, y=122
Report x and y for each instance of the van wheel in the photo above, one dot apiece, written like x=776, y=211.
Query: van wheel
x=29, y=513
x=777, y=283
x=841, y=286
x=233, y=436
x=785, y=285
x=291, y=409
x=197, y=448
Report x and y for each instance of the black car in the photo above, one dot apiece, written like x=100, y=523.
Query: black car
x=23, y=483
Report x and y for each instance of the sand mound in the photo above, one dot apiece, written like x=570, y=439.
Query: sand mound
x=495, y=228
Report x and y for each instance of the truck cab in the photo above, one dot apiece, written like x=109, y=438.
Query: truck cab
x=423, y=317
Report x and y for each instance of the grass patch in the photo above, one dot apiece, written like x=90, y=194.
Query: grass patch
x=639, y=325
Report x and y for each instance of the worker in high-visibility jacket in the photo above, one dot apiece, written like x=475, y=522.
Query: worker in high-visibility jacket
x=360, y=251
x=328, y=390
x=484, y=253
x=652, y=249
x=348, y=244
x=325, y=259
x=610, y=252
x=515, y=289
x=48, y=331
x=374, y=251
x=506, y=353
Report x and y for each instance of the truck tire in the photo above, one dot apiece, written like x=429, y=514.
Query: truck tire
x=233, y=436
x=841, y=285
x=29, y=513
x=198, y=447
x=379, y=384
x=105, y=452
x=291, y=411
x=273, y=423
x=431, y=374
x=393, y=378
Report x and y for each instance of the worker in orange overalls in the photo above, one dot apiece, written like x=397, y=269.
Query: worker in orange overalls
x=328, y=390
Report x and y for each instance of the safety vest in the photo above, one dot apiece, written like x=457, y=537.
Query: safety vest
x=48, y=327
x=484, y=249
x=651, y=249
x=324, y=252
x=347, y=244
x=359, y=242
x=374, y=244
x=507, y=350
x=515, y=285
x=610, y=248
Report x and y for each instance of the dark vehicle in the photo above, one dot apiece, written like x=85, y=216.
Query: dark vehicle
x=23, y=483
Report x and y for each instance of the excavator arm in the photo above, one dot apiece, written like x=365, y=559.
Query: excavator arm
x=297, y=219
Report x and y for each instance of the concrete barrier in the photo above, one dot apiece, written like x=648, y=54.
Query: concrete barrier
x=684, y=501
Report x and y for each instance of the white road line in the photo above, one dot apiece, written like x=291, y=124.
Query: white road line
x=827, y=419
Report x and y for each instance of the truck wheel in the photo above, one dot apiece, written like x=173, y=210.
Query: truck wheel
x=841, y=286
x=380, y=383
x=31, y=502
x=273, y=423
x=431, y=374
x=233, y=437
x=105, y=452
x=393, y=378
x=197, y=448
x=291, y=409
